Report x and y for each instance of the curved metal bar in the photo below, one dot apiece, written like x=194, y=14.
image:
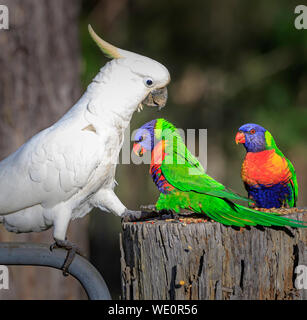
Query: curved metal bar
x=33, y=254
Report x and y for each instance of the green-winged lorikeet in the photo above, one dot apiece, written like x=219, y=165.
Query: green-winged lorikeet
x=268, y=176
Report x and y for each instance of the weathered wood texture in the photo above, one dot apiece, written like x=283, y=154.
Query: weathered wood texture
x=174, y=260
x=39, y=82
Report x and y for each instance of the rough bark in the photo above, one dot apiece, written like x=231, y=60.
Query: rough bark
x=176, y=260
x=39, y=82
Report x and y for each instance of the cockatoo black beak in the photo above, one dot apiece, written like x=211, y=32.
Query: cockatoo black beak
x=157, y=98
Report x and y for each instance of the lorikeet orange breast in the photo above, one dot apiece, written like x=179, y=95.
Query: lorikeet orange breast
x=157, y=157
x=183, y=183
x=268, y=176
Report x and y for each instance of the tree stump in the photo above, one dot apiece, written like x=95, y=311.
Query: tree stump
x=173, y=259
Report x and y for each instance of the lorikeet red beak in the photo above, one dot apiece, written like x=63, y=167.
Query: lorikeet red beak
x=240, y=137
x=138, y=149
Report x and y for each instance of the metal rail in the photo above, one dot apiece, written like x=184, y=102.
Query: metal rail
x=33, y=254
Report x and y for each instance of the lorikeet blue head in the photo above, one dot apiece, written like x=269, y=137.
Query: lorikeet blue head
x=151, y=133
x=252, y=136
x=144, y=138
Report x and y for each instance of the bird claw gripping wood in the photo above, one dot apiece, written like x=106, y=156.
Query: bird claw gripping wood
x=151, y=208
x=134, y=216
x=72, y=250
x=148, y=208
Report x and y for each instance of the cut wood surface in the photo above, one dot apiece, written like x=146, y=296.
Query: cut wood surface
x=192, y=259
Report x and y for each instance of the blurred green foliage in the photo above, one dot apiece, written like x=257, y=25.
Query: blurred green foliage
x=231, y=62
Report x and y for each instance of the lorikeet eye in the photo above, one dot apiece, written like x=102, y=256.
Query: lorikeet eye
x=253, y=131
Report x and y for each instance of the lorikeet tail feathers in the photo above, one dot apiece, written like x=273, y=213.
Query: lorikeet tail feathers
x=237, y=215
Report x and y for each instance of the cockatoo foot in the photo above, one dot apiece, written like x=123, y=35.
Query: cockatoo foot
x=148, y=207
x=132, y=216
x=72, y=250
x=152, y=209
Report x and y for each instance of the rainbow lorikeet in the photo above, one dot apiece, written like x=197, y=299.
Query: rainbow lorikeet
x=268, y=176
x=183, y=183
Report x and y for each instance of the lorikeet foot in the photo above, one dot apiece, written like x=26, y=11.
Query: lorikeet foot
x=72, y=250
x=133, y=216
x=252, y=205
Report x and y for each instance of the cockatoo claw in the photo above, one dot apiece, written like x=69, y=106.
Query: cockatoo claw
x=72, y=250
x=148, y=208
x=132, y=216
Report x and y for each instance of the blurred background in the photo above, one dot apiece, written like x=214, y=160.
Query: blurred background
x=231, y=62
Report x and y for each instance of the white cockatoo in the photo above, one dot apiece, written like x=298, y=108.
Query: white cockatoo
x=69, y=168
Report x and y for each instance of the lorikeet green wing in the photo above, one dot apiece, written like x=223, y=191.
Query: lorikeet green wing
x=270, y=144
x=182, y=170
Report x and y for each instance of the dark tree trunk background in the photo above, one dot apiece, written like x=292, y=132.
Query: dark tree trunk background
x=174, y=260
x=39, y=82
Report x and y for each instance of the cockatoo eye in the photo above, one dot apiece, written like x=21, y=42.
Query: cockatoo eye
x=148, y=82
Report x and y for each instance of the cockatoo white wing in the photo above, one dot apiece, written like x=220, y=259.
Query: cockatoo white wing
x=48, y=169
